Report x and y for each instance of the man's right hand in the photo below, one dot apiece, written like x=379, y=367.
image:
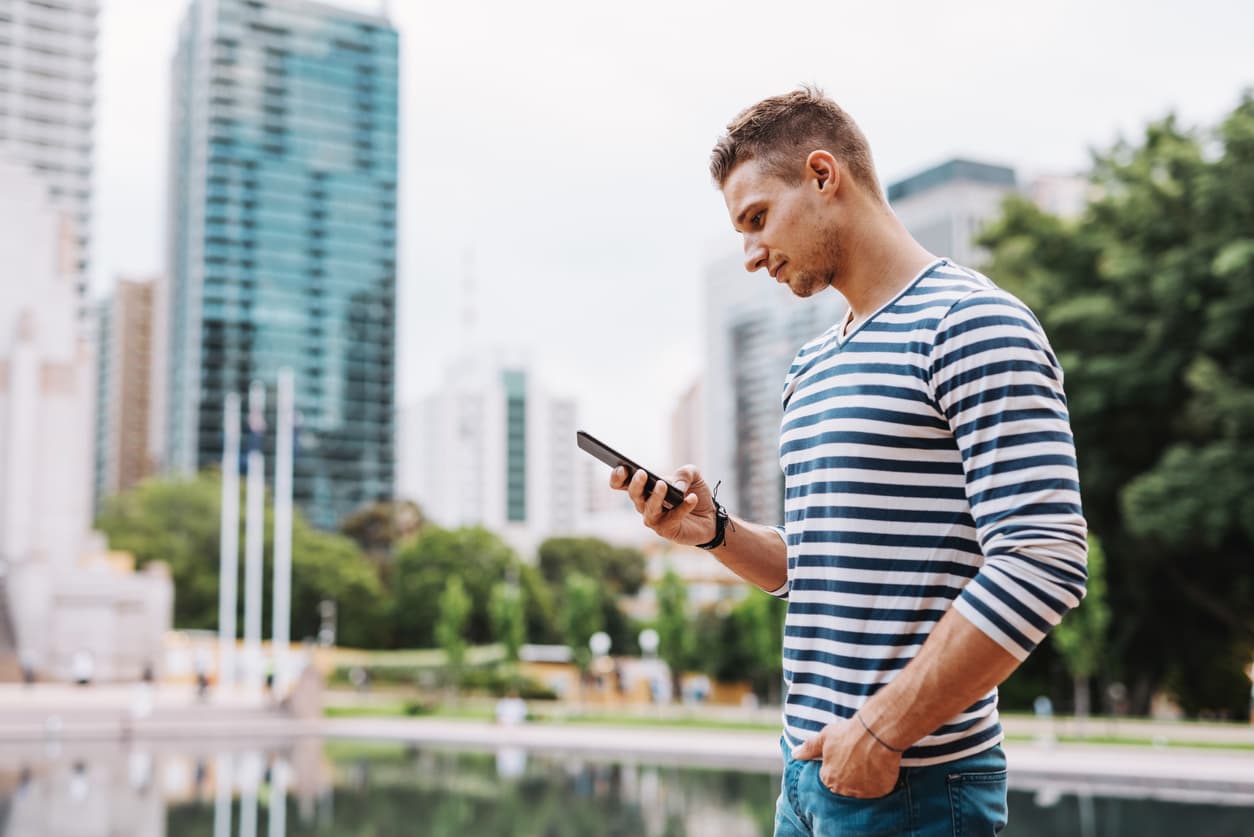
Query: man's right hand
x=689, y=523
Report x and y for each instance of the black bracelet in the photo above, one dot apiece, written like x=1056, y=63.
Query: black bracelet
x=876, y=737
x=720, y=528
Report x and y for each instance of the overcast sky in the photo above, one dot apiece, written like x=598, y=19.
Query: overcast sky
x=563, y=145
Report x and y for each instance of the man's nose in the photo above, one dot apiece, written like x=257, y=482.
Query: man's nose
x=755, y=254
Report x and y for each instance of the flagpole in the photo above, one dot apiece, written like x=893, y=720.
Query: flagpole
x=254, y=536
x=228, y=565
x=281, y=632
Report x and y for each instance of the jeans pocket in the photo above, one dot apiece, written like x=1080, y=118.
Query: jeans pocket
x=977, y=801
x=831, y=813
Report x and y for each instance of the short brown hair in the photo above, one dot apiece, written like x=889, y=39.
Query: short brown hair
x=782, y=131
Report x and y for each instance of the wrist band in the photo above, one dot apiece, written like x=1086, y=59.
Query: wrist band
x=721, y=519
x=876, y=737
x=720, y=528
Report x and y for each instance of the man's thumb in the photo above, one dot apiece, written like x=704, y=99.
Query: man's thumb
x=808, y=750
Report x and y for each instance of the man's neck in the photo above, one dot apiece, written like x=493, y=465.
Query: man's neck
x=885, y=264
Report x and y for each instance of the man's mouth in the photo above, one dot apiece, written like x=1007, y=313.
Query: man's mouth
x=775, y=270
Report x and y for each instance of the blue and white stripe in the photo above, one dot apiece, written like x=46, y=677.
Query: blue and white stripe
x=929, y=464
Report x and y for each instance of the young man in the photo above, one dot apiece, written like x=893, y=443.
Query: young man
x=933, y=532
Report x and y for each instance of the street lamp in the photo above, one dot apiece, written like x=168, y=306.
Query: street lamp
x=599, y=643
x=649, y=642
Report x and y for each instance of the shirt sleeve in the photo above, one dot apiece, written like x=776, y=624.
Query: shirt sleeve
x=996, y=380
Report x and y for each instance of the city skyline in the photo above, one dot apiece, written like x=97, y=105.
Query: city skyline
x=615, y=205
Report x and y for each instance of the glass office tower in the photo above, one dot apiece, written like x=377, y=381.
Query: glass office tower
x=283, y=240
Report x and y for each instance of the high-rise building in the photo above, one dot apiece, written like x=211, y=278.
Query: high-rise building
x=47, y=102
x=283, y=176
x=753, y=329
x=492, y=448
x=123, y=378
x=945, y=207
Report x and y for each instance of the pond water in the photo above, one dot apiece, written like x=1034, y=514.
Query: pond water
x=363, y=789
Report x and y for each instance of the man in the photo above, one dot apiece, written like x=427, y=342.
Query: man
x=933, y=531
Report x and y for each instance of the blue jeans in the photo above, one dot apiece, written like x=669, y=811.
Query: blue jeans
x=963, y=798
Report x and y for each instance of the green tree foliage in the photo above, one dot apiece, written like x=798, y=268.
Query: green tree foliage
x=581, y=616
x=1081, y=637
x=178, y=522
x=674, y=628
x=509, y=624
x=1147, y=300
x=450, y=629
x=619, y=571
x=480, y=559
x=743, y=642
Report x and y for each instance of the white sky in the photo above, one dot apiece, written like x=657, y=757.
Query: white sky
x=564, y=145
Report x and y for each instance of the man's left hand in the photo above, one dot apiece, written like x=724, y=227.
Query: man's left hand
x=854, y=763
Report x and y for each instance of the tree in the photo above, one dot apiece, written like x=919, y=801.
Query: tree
x=1081, y=637
x=674, y=629
x=619, y=571
x=331, y=567
x=451, y=628
x=480, y=559
x=508, y=622
x=760, y=618
x=581, y=617
x=1147, y=300
x=379, y=527
x=178, y=522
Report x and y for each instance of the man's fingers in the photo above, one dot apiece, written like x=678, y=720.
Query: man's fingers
x=808, y=750
x=653, y=511
x=618, y=478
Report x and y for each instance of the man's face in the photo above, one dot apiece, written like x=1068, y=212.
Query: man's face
x=787, y=228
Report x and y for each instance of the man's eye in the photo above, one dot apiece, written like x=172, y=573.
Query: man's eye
x=757, y=219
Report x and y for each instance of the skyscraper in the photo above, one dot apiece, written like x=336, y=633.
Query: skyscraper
x=47, y=102
x=122, y=388
x=283, y=176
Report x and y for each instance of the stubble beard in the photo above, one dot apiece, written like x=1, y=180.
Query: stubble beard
x=829, y=261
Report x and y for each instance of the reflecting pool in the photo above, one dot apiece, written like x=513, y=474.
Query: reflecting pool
x=362, y=789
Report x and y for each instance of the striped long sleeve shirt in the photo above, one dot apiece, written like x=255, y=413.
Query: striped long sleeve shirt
x=928, y=464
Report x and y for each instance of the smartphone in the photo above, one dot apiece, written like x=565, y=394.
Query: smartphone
x=613, y=458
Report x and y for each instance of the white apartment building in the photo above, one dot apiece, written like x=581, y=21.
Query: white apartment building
x=492, y=447
x=47, y=103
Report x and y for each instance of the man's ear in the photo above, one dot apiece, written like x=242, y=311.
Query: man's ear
x=822, y=171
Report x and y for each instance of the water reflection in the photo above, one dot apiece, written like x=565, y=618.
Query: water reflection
x=306, y=787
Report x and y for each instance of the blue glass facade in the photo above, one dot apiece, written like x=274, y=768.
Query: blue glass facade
x=283, y=239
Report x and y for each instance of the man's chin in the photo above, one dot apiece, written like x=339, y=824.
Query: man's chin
x=804, y=289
